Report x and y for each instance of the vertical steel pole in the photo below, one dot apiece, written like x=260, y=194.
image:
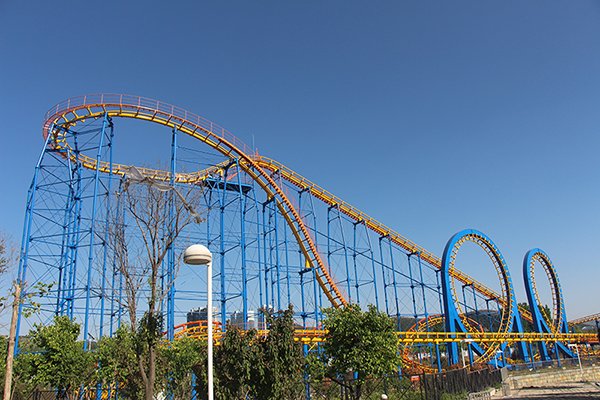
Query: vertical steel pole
x=74, y=239
x=354, y=263
x=277, y=262
x=345, y=249
x=394, y=281
x=287, y=266
x=475, y=302
x=422, y=283
x=223, y=299
x=412, y=287
x=26, y=239
x=266, y=268
x=383, y=273
x=171, y=249
x=62, y=273
x=243, y=245
x=92, y=233
x=414, y=299
x=302, y=306
x=105, y=247
x=302, y=262
x=286, y=256
x=372, y=257
x=106, y=228
x=317, y=290
x=262, y=303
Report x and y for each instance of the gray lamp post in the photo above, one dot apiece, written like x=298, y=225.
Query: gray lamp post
x=462, y=351
x=198, y=254
x=573, y=346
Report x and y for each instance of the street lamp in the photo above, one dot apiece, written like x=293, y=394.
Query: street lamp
x=574, y=346
x=462, y=350
x=198, y=254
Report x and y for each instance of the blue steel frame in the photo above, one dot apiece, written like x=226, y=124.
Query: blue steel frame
x=259, y=263
x=453, y=322
x=539, y=322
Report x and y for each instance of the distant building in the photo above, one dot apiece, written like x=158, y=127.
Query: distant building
x=199, y=314
x=237, y=319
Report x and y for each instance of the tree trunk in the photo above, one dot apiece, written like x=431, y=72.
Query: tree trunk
x=11, y=343
x=151, y=373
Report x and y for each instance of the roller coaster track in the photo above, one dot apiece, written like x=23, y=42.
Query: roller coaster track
x=307, y=336
x=66, y=114
x=376, y=226
x=583, y=320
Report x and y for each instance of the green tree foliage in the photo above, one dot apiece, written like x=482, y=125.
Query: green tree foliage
x=360, y=345
x=528, y=326
x=178, y=360
x=126, y=358
x=117, y=364
x=236, y=359
x=280, y=375
x=3, y=351
x=61, y=362
x=247, y=365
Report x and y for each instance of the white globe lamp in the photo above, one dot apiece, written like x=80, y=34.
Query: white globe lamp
x=198, y=254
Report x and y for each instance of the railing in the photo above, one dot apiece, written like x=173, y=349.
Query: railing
x=137, y=102
x=583, y=320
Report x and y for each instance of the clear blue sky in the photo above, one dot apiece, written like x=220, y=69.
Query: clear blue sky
x=432, y=116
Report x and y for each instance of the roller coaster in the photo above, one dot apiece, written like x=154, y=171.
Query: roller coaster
x=277, y=239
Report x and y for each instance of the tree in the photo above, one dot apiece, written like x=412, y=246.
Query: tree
x=359, y=345
x=8, y=356
x=546, y=313
x=61, y=363
x=252, y=366
x=8, y=258
x=180, y=358
x=281, y=375
x=160, y=213
x=235, y=359
x=117, y=364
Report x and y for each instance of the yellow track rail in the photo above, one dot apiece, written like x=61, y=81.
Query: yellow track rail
x=416, y=337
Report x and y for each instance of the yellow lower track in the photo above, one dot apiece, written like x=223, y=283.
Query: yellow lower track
x=415, y=337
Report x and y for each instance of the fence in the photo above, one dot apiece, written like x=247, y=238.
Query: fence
x=420, y=387
x=587, y=360
x=457, y=381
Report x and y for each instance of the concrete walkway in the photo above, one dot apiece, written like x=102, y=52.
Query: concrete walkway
x=567, y=391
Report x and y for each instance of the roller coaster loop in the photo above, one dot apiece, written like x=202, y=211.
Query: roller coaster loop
x=557, y=321
x=456, y=320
